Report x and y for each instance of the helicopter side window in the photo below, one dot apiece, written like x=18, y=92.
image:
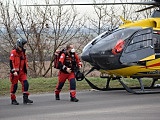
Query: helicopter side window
x=138, y=45
x=139, y=42
x=136, y=39
x=156, y=41
x=141, y=38
x=144, y=31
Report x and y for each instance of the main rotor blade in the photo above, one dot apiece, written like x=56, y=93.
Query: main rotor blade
x=145, y=8
x=79, y=4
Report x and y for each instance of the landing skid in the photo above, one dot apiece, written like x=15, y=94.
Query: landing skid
x=143, y=90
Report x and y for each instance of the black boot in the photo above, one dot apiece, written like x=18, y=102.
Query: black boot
x=25, y=99
x=57, y=97
x=14, y=102
x=74, y=99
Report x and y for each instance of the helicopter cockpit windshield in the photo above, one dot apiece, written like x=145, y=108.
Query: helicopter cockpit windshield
x=103, y=45
x=107, y=42
x=112, y=36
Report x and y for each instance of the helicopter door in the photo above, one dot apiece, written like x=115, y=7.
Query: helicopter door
x=140, y=48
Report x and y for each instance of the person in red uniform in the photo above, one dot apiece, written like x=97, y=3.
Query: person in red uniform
x=18, y=71
x=69, y=61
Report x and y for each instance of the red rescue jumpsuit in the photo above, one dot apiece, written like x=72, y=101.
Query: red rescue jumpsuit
x=66, y=60
x=18, y=63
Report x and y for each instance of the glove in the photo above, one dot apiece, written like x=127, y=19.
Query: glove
x=80, y=66
x=69, y=70
x=15, y=74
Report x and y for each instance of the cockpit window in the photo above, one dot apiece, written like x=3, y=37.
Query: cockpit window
x=120, y=33
x=109, y=32
x=141, y=40
x=115, y=35
x=107, y=41
x=103, y=35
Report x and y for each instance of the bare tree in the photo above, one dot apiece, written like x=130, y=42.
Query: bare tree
x=45, y=28
x=108, y=16
x=98, y=23
x=65, y=25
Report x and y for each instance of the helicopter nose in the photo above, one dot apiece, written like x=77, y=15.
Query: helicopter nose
x=85, y=56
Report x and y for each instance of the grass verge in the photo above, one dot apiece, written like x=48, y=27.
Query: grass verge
x=47, y=85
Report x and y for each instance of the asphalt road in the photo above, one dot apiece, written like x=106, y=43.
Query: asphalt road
x=93, y=105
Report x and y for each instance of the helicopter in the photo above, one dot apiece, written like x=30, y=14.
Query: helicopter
x=130, y=51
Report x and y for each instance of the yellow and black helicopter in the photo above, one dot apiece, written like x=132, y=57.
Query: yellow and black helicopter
x=131, y=50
